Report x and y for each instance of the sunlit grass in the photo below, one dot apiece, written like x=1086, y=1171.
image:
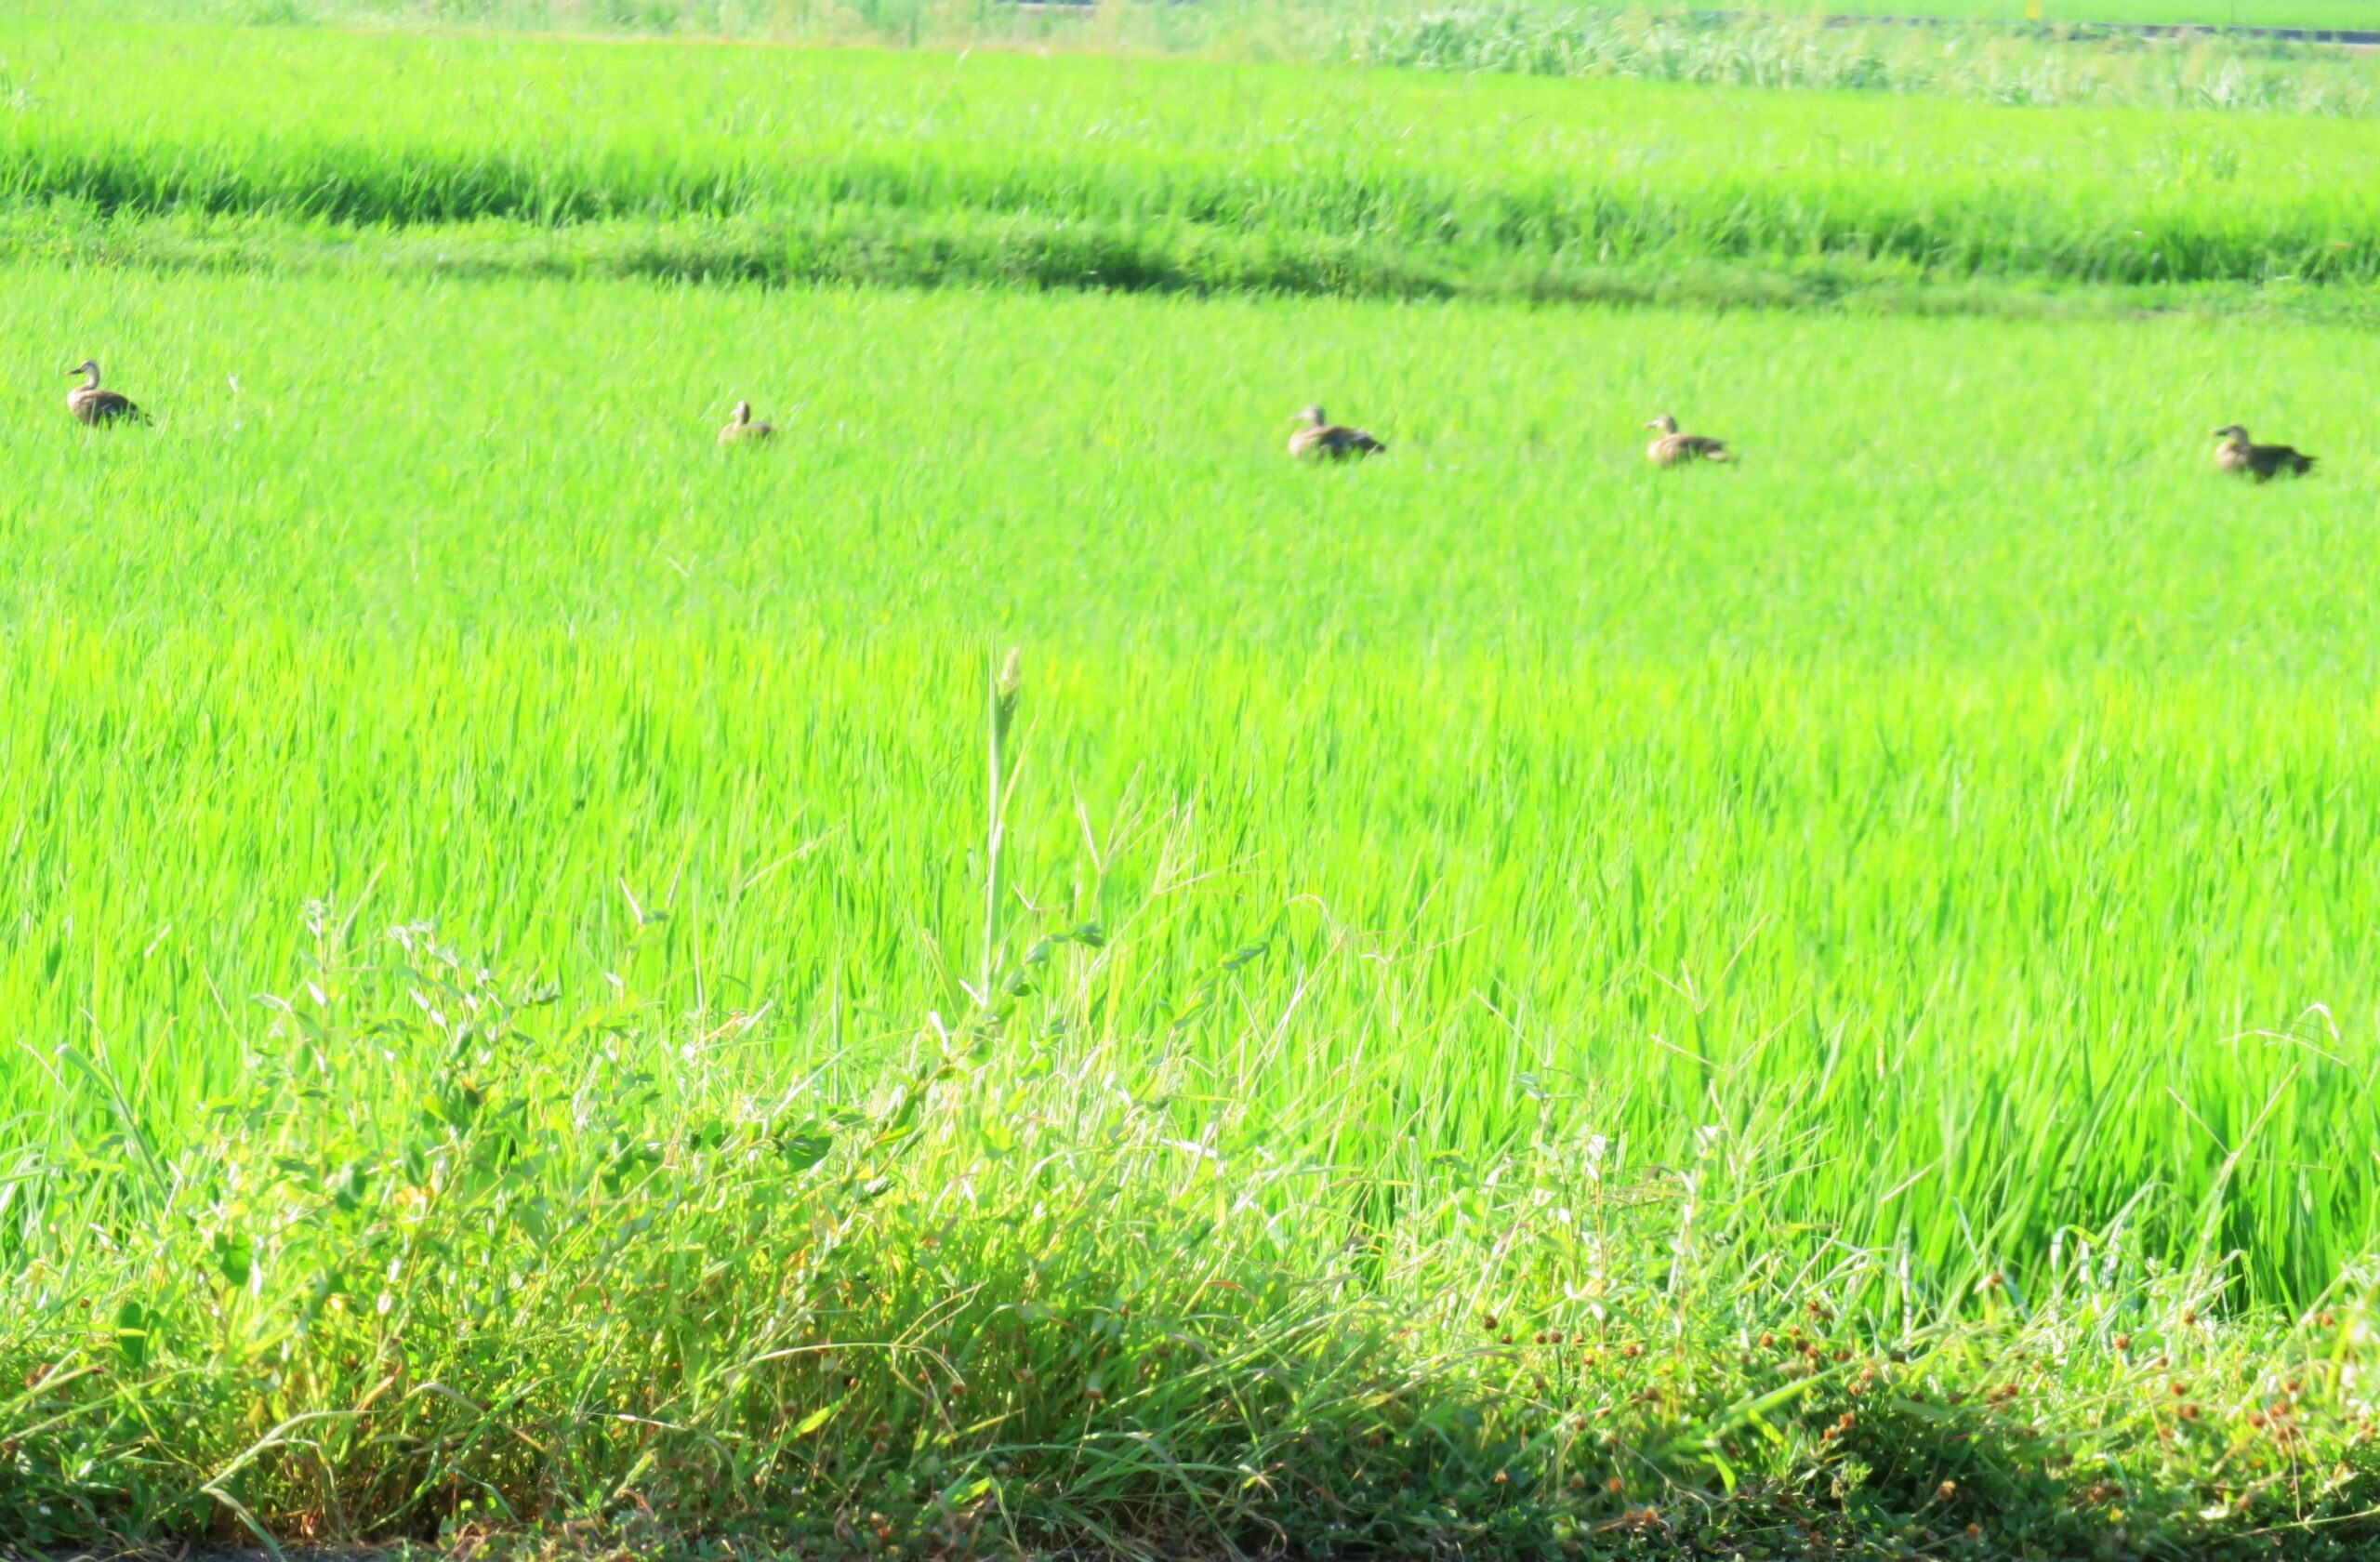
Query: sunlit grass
x=1182, y=171
x=455, y=1258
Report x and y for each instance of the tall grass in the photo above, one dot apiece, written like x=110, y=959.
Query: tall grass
x=455, y=1258
x=1323, y=170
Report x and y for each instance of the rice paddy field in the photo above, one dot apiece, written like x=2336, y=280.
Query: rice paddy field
x=1012, y=971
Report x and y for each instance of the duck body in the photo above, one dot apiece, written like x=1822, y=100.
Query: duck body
x=98, y=407
x=740, y=429
x=1671, y=449
x=2263, y=462
x=1322, y=440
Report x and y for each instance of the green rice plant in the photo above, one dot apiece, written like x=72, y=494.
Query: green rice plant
x=1972, y=778
x=1169, y=160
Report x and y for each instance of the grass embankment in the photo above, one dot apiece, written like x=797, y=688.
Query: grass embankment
x=783, y=165
x=1880, y=891
x=453, y=1260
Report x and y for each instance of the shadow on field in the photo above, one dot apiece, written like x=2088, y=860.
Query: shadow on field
x=911, y=251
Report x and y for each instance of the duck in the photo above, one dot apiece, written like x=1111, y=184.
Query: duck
x=98, y=407
x=741, y=428
x=2236, y=455
x=1333, y=442
x=1672, y=448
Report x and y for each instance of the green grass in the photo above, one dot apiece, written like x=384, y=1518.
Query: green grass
x=457, y=1264
x=1218, y=175
x=1508, y=1000
x=2036, y=65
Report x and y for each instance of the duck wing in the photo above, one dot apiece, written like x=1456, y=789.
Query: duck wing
x=104, y=406
x=1333, y=440
x=1670, y=449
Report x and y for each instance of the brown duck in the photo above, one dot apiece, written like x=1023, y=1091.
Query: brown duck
x=742, y=430
x=1333, y=441
x=96, y=406
x=2236, y=455
x=1674, y=448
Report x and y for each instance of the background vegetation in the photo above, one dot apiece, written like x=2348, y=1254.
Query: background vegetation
x=1206, y=24
x=1167, y=172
